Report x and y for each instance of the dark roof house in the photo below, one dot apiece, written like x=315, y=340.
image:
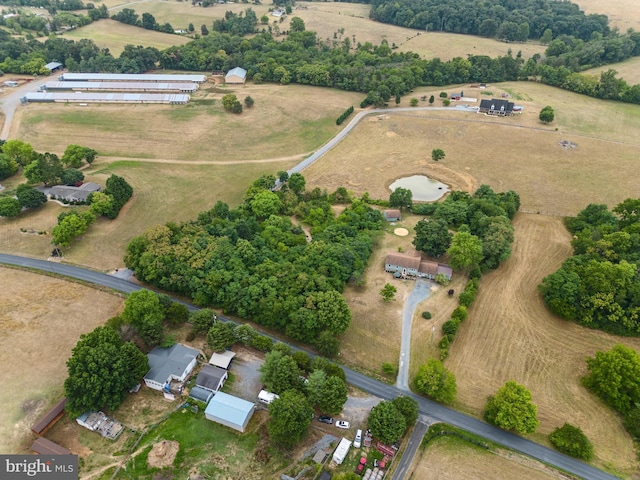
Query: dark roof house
x=173, y=363
x=496, y=106
x=211, y=378
x=74, y=194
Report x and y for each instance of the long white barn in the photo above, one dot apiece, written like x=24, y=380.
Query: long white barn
x=131, y=77
x=96, y=97
x=185, y=87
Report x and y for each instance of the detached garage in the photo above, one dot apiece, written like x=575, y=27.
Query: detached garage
x=230, y=411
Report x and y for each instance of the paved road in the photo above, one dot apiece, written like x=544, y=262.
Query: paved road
x=388, y=392
x=11, y=101
x=421, y=290
x=412, y=447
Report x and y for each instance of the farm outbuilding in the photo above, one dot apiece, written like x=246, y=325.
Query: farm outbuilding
x=392, y=215
x=230, y=411
x=183, y=87
x=47, y=447
x=49, y=418
x=222, y=360
x=104, y=97
x=211, y=378
x=201, y=394
x=131, y=77
x=236, y=76
x=53, y=66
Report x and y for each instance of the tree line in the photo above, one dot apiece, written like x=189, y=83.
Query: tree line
x=599, y=286
x=254, y=262
x=510, y=20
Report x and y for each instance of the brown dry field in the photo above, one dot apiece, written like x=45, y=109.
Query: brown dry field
x=495, y=151
x=629, y=70
x=622, y=13
x=107, y=33
x=41, y=318
x=447, y=458
x=510, y=335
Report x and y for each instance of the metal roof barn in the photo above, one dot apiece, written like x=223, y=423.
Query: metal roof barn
x=184, y=87
x=130, y=77
x=97, y=97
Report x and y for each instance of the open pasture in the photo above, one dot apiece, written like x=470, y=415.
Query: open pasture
x=449, y=458
x=518, y=153
x=42, y=318
x=107, y=33
x=629, y=70
x=622, y=13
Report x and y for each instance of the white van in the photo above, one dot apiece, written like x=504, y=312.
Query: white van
x=267, y=397
x=358, y=440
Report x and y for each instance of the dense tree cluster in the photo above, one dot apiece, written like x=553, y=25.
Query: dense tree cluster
x=572, y=441
x=148, y=21
x=484, y=233
x=254, y=262
x=599, y=286
x=389, y=420
x=101, y=370
x=508, y=20
x=240, y=24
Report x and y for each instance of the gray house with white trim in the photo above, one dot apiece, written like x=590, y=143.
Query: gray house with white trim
x=168, y=364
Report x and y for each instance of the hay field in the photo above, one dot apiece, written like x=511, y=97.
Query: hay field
x=447, y=458
x=497, y=151
x=42, y=318
x=623, y=14
x=629, y=70
x=107, y=33
x=510, y=335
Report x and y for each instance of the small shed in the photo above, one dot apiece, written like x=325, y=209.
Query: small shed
x=49, y=418
x=236, y=76
x=456, y=96
x=222, y=360
x=230, y=411
x=47, y=447
x=392, y=215
x=201, y=394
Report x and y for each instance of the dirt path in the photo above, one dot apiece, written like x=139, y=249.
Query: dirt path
x=203, y=162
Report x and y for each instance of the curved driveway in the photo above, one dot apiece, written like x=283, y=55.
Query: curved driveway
x=375, y=387
x=11, y=101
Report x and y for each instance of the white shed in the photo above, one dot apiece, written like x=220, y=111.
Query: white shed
x=236, y=75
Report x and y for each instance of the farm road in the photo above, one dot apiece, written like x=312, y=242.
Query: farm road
x=434, y=410
x=11, y=101
x=420, y=292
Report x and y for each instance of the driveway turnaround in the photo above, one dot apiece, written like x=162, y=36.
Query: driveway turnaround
x=387, y=392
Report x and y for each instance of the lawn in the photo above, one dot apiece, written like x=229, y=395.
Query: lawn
x=115, y=35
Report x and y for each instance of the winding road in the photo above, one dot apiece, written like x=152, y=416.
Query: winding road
x=388, y=392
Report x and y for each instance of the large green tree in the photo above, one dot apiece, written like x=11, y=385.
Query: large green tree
x=401, y=198
x=614, y=376
x=9, y=207
x=280, y=372
x=29, y=197
x=8, y=167
x=386, y=422
x=572, y=441
x=511, y=408
x=432, y=237
x=202, y=320
x=45, y=168
x=75, y=155
x=333, y=395
x=290, y=418
x=220, y=336
x=465, y=251
x=143, y=311
x=435, y=381
x=70, y=226
x=408, y=407
x=21, y=152
x=547, y=114
x=101, y=370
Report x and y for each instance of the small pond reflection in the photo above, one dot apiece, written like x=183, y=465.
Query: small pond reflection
x=424, y=189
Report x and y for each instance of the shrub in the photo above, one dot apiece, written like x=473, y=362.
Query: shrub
x=441, y=279
x=344, y=115
x=389, y=368
x=262, y=343
x=426, y=315
x=450, y=327
x=424, y=208
x=460, y=314
x=443, y=95
x=572, y=441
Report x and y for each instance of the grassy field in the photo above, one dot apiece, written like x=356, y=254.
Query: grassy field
x=450, y=458
x=622, y=13
x=115, y=35
x=629, y=70
x=41, y=319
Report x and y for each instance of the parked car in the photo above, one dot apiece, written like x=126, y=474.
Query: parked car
x=357, y=442
x=342, y=424
x=325, y=419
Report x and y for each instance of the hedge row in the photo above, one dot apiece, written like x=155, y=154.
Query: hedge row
x=459, y=315
x=344, y=115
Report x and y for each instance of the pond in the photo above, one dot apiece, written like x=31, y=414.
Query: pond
x=424, y=189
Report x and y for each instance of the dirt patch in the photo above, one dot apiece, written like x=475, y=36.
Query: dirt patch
x=163, y=454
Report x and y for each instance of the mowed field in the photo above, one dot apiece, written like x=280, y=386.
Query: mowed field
x=448, y=458
x=41, y=318
x=629, y=70
x=622, y=13
x=180, y=160
x=107, y=33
